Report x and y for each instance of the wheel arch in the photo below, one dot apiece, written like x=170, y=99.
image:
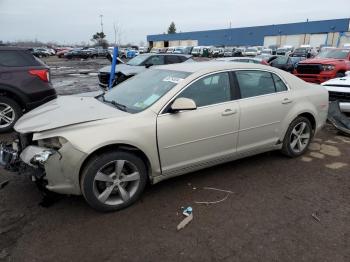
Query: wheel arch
x=304, y=113
x=14, y=94
x=121, y=147
x=310, y=117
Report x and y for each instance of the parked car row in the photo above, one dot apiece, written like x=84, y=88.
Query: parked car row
x=137, y=65
x=42, y=52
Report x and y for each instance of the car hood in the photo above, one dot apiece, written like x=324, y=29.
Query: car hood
x=341, y=84
x=321, y=61
x=124, y=69
x=65, y=111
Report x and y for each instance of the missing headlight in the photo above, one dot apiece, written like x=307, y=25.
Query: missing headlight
x=52, y=142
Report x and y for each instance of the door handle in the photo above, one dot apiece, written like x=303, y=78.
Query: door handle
x=286, y=101
x=229, y=112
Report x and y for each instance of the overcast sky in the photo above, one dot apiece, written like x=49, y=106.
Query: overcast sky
x=74, y=21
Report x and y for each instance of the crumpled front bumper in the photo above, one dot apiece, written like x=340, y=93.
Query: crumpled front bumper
x=9, y=157
x=60, y=169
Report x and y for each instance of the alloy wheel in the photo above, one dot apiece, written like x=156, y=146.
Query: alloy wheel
x=116, y=182
x=7, y=115
x=300, y=137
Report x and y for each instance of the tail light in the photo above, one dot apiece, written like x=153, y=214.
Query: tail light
x=43, y=74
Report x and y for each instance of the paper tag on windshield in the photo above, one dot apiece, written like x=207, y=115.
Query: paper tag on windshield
x=172, y=79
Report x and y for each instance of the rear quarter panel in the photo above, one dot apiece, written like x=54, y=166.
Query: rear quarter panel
x=307, y=98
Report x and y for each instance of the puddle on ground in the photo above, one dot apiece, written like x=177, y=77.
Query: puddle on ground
x=336, y=165
x=331, y=142
x=306, y=159
x=330, y=150
x=315, y=146
x=317, y=155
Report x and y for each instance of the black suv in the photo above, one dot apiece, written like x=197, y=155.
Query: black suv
x=24, y=84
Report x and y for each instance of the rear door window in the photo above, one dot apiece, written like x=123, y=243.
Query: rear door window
x=280, y=85
x=255, y=83
x=156, y=60
x=172, y=59
x=17, y=58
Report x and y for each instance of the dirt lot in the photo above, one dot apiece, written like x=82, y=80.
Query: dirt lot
x=280, y=210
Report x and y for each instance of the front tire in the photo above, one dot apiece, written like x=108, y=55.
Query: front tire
x=113, y=180
x=10, y=112
x=298, y=137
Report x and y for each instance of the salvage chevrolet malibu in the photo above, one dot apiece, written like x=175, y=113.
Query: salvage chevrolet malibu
x=164, y=122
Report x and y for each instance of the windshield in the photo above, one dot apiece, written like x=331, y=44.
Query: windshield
x=296, y=59
x=143, y=90
x=138, y=60
x=301, y=50
x=251, y=50
x=266, y=51
x=281, y=60
x=337, y=54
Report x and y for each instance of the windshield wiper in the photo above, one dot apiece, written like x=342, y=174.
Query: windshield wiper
x=117, y=105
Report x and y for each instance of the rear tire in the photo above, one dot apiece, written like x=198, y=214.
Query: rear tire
x=298, y=137
x=10, y=112
x=113, y=180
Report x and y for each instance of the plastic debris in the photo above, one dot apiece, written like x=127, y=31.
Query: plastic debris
x=228, y=192
x=314, y=216
x=217, y=189
x=212, y=202
x=187, y=211
x=185, y=222
x=4, y=183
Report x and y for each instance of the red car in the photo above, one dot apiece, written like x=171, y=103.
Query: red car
x=60, y=54
x=326, y=65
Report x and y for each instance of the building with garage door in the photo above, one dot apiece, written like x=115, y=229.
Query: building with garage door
x=334, y=32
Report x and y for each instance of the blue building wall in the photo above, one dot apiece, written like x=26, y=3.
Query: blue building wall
x=255, y=35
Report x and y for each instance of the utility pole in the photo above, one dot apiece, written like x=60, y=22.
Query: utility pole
x=101, y=16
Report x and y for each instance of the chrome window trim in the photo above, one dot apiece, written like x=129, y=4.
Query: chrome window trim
x=188, y=85
x=227, y=71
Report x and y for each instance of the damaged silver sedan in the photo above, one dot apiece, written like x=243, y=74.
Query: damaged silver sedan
x=162, y=123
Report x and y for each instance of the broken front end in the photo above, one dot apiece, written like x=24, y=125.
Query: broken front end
x=25, y=158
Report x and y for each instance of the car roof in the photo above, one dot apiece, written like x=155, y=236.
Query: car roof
x=211, y=66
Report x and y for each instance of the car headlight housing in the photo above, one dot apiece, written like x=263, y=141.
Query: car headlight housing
x=53, y=142
x=328, y=67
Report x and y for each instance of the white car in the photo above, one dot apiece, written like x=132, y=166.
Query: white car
x=339, y=90
x=171, y=49
x=165, y=122
x=251, y=51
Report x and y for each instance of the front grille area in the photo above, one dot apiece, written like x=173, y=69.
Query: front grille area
x=104, y=78
x=339, y=96
x=309, y=69
x=25, y=140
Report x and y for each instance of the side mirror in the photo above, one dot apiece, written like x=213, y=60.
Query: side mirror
x=183, y=103
x=148, y=65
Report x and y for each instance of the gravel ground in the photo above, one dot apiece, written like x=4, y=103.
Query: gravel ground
x=280, y=209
